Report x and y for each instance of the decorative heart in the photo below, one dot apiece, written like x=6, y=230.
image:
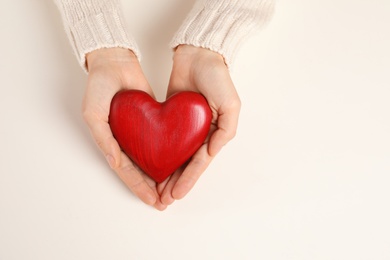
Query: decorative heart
x=159, y=137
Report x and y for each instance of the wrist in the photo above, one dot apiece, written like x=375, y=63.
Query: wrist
x=195, y=53
x=104, y=55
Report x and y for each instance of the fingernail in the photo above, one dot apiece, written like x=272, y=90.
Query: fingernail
x=150, y=199
x=167, y=200
x=110, y=160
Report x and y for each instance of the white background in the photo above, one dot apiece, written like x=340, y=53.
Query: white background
x=307, y=176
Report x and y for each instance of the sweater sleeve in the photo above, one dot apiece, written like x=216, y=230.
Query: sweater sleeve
x=94, y=24
x=222, y=25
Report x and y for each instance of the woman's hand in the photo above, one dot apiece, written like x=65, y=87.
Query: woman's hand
x=111, y=70
x=204, y=71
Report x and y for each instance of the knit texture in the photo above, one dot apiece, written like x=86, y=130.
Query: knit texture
x=95, y=24
x=218, y=25
x=222, y=25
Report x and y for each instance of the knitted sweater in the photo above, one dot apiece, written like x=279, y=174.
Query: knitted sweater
x=218, y=25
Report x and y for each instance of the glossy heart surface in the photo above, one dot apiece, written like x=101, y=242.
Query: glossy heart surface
x=159, y=137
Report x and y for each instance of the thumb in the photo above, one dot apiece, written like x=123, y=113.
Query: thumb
x=227, y=122
x=101, y=132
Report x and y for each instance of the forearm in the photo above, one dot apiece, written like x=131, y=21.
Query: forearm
x=222, y=25
x=94, y=24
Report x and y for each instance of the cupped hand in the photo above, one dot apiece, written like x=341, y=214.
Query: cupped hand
x=111, y=70
x=204, y=71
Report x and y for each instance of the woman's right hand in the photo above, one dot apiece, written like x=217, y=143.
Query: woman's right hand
x=112, y=70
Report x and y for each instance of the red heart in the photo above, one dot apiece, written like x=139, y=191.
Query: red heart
x=159, y=137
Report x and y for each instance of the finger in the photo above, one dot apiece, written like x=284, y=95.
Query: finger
x=227, y=127
x=191, y=173
x=153, y=185
x=101, y=132
x=159, y=205
x=135, y=181
x=161, y=186
x=166, y=196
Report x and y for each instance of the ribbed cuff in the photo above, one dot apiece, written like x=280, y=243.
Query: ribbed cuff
x=222, y=25
x=95, y=24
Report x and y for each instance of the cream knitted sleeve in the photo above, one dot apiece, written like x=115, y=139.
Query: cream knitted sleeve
x=222, y=25
x=94, y=24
